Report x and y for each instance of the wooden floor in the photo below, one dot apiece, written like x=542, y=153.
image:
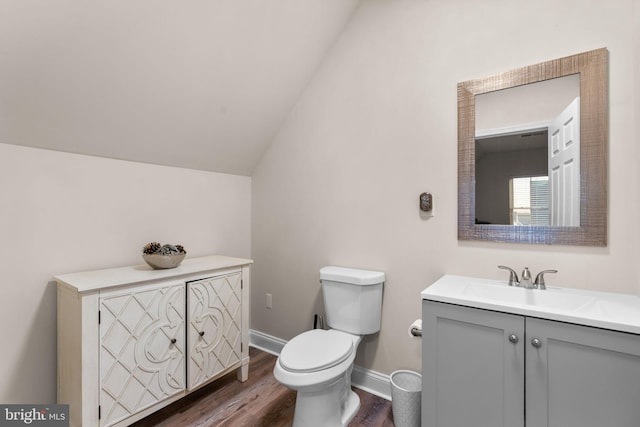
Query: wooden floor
x=259, y=402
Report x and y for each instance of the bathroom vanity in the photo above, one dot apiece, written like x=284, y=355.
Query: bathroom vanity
x=495, y=355
x=132, y=340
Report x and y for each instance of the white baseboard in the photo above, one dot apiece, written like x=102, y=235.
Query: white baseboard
x=266, y=342
x=365, y=379
x=371, y=381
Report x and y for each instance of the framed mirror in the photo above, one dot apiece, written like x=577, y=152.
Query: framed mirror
x=532, y=153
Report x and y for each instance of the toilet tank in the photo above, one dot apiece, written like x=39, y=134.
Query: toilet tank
x=352, y=299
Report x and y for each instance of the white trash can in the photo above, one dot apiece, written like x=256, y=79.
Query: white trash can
x=406, y=398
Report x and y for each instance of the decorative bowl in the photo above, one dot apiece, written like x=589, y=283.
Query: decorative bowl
x=160, y=261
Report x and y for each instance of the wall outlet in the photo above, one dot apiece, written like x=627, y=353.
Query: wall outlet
x=269, y=301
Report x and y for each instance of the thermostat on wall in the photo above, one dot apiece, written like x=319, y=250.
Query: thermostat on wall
x=426, y=202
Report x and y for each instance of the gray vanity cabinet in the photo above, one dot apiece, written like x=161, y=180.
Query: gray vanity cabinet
x=485, y=368
x=581, y=376
x=472, y=373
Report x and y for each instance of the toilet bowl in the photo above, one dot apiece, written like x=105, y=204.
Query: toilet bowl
x=317, y=364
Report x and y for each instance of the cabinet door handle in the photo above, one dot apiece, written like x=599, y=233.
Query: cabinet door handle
x=173, y=340
x=536, y=343
x=201, y=333
x=513, y=338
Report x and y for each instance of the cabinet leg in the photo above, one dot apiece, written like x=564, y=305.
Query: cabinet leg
x=243, y=371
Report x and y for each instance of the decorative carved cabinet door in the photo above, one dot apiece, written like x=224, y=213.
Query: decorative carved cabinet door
x=142, y=348
x=214, y=330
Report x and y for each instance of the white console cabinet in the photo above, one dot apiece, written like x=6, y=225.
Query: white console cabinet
x=132, y=340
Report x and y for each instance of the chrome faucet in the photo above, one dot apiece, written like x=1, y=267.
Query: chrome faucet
x=513, y=276
x=526, y=279
x=539, y=283
x=526, y=282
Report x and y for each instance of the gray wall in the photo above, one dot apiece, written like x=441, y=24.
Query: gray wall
x=493, y=172
x=377, y=126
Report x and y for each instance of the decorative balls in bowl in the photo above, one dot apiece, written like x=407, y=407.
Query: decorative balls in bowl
x=163, y=256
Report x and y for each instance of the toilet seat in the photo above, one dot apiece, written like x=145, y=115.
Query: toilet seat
x=316, y=350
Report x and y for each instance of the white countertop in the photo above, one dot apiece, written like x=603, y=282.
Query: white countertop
x=620, y=312
x=100, y=279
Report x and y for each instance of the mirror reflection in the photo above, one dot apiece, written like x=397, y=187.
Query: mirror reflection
x=532, y=153
x=527, y=145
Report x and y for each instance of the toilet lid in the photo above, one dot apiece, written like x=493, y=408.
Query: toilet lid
x=316, y=350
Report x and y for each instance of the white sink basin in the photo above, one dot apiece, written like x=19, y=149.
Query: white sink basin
x=592, y=308
x=552, y=298
x=616, y=308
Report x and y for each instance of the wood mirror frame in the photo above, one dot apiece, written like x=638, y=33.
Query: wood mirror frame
x=593, y=69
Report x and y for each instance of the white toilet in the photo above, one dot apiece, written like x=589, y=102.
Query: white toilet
x=318, y=363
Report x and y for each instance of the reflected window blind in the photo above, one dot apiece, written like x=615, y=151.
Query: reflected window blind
x=539, y=200
x=529, y=200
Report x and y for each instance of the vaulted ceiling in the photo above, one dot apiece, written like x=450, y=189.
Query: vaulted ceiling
x=202, y=84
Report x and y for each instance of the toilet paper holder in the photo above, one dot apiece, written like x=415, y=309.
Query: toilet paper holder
x=416, y=332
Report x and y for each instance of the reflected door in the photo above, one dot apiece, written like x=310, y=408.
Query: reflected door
x=564, y=166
